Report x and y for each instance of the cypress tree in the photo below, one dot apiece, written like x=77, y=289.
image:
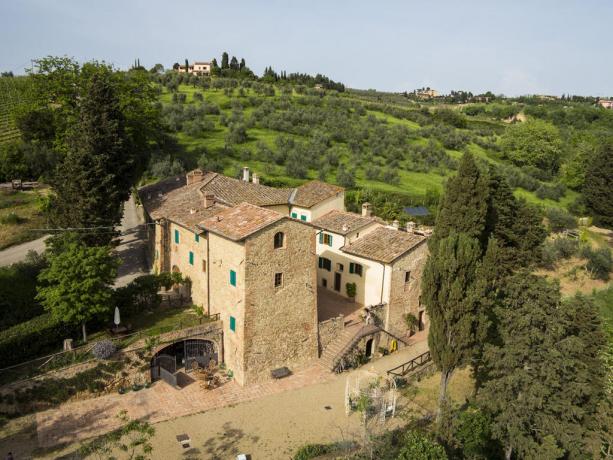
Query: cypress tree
x=447, y=288
x=543, y=379
x=224, y=61
x=597, y=189
x=463, y=208
x=234, y=63
x=94, y=178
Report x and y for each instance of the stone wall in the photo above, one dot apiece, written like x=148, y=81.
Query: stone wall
x=404, y=297
x=329, y=330
x=280, y=326
x=228, y=300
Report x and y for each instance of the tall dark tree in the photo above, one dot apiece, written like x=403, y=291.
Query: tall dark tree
x=94, y=178
x=224, y=61
x=597, y=188
x=543, y=378
x=234, y=63
x=447, y=291
x=463, y=208
x=242, y=64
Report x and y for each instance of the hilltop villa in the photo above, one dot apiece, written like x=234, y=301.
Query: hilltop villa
x=197, y=68
x=278, y=265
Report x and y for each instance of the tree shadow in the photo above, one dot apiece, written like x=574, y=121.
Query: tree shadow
x=226, y=445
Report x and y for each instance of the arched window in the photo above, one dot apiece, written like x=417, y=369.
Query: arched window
x=279, y=240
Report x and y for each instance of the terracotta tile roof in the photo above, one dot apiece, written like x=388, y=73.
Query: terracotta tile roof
x=313, y=192
x=172, y=199
x=234, y=191
x=239, y=222
x=384, y=244
x=342, y=222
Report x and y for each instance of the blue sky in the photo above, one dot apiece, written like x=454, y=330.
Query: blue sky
x=518, y=47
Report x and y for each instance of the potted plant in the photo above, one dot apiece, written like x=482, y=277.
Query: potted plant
x=412, y=322
x=351, y=289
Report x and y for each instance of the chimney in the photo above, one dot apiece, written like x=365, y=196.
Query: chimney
x=345, y=227
x=194, y=176
x=209, y=199
x=411, y=226
x=366, y=210
x=255, y=178
x=396, y=224
x=246, y=173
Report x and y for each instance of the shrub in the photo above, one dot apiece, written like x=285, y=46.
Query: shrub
x=310, y=451
x=11, y=219
x=559, y=248
x=417, y=446
x=103, y=349
x=560, y=220
x=599, y=262
x=32, y=338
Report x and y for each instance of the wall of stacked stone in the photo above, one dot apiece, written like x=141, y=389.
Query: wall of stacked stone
x=280, y=322
x=329, y=330
x=404, y=297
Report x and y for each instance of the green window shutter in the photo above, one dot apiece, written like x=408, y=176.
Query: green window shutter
x=196, y=237
x=351, y=267
x=329, y=240
x=294, y=215
x=232, y=324
x=177, y=236
x=191, y=258
x=303, y=217
x=321, y=262
x=321, y=237
x=232, y=277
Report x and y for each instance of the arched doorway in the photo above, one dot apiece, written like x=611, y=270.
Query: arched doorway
x=185, y=355
x=369, y=347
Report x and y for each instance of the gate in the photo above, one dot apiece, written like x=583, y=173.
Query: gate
x=199, y=353
x=164, y=367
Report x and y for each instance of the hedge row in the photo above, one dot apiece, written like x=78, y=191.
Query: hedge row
x=36, y=337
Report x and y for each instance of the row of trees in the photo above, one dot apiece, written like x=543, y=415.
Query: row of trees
x=539, y=378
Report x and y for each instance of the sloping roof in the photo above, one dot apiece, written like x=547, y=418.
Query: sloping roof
x=234, y=191
x=202, y=63
x=313, y=192
x=342, y=222
x=239, y=222
x=172, y=199
x=417, y=211
x=384, y=244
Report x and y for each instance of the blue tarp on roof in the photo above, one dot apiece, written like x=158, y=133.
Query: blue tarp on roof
x=417, y=211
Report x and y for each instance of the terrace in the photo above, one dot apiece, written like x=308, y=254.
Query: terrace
x=331, y=305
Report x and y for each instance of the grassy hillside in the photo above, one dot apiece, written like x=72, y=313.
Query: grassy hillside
x=293, y=134
x=13, y=90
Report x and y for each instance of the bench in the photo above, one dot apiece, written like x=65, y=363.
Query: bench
x=280, y=373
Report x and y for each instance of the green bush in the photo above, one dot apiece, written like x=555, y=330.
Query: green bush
x=560, y=220
x=599, y=262
x=32, y=338
x=11, y=219
x=309, y=451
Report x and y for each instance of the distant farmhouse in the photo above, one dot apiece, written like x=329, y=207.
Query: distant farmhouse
x=606, y=103
x=293, y=276
x=197, y=68
x=426, y=93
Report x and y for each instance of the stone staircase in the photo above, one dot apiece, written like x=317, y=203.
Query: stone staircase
x=344, y=343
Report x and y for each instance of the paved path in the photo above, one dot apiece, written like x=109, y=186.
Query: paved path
x=76, y=421
x=132, y=248
x=18, y=253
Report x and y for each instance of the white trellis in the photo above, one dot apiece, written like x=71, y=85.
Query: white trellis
x=380, y=390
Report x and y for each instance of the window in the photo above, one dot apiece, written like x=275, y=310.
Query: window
x=197, y=237
x=191, y=258
x=204, y=265
x=294, y=215
x=279, y=240
x=232, y=277
x=324, y=282
x=232, y=323
x=278, y=279
x=303, y=217
x=407, y=277
x=356, y=269
x=325, y=238
x=177, y=236
x=340, y=267
x=324, y=263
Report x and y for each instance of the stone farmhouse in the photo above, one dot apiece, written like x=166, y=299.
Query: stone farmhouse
x=197, y=68
x=274, y=263
x=606, y=103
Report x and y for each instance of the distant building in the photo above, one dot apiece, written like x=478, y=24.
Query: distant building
x=606, y=103
x=426, y=93
x=197, y=68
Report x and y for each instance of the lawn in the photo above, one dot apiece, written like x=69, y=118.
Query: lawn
x=20, y=213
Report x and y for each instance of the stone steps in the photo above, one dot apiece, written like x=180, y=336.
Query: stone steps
x=344, y=343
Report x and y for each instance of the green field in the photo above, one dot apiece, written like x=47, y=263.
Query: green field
x=13, y=91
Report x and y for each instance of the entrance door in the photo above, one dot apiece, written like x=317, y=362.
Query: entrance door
x=369, y=347
x=337, y=282
x=420, y=319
